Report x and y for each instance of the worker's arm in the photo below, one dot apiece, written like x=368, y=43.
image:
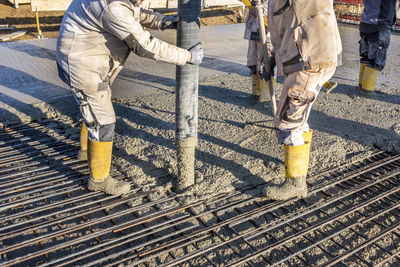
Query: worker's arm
x=122, y=21
x=150, y=19
x=154, y=20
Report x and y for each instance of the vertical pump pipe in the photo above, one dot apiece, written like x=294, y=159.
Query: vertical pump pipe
x=187, y=78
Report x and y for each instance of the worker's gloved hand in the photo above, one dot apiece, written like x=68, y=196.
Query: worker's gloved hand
x=197, y=54
x=266, y=74
x=254, y=3
x=169, y=22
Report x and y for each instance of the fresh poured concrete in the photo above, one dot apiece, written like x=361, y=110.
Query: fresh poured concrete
x=28, y=72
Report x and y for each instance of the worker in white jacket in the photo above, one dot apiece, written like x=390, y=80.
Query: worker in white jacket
x=306, y=48
x=94, y=41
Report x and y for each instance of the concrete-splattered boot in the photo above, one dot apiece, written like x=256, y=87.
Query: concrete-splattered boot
x=296, y=168
x=99, y=165
x=83, y=153
x=265, y=91
x=255, y=84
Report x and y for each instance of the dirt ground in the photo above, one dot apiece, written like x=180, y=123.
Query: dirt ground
x=23, y=19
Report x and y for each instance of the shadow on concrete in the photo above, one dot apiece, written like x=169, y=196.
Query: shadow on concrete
x=34, y=50
x=221, y=65
x=147, y=121
x=378, y=95
x=29, y=86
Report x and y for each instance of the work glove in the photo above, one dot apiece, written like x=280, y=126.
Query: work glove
x=266, y=74
x=254, y=3
x=197, y=54
x=169, y=22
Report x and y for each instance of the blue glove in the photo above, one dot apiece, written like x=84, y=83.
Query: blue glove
x=197, y=54
x=169, y=22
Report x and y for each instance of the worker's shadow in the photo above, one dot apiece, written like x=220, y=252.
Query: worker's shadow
x=144, y=121
x=20, y=138
x=34, y=49
x=353, y=92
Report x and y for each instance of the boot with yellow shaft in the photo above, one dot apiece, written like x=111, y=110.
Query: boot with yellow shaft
x=255, y=84
x=83, y=152
x=296, y=168
x=99, y=164
x=369, y=78
x=361, y=75
x=265, y=92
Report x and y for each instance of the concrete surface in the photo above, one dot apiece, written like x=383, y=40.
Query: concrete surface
x=28, y=72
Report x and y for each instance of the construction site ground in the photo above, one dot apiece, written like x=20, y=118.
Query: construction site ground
x=47, y=217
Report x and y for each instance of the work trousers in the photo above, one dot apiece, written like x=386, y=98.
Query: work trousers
x=299, y=92
x=373, y=48
x=98, y=113
x=254, y=56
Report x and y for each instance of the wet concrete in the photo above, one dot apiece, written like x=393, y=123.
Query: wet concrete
x=28, y=72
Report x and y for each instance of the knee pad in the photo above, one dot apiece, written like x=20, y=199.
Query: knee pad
x=101, y=133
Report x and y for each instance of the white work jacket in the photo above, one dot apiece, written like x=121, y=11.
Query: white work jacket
x=96, y=37
x=304, y=35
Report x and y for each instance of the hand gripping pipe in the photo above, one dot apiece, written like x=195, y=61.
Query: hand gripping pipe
x=187, y=79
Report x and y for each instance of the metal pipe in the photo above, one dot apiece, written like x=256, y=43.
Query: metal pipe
x=187, y=79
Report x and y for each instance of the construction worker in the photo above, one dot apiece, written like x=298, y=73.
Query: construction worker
x=255, y=51
x=306, y=49
x=376, y=24
x=94, y=41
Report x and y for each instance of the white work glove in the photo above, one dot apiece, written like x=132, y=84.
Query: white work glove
x=197, y=54
x=169, y=22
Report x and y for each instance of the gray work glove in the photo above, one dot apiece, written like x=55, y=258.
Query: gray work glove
x=169, y=22
x=197, y=54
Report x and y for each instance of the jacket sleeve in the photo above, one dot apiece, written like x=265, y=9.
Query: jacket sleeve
x=124, y=22
x=150, y=19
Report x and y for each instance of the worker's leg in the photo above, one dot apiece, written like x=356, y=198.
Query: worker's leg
x=378, y=44
x=299, y=92
x=265, y=92
x=252, y=65
x=98, y=114
x=364, y=48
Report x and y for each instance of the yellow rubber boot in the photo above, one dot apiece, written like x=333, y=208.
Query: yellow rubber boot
x=307, y=136
x=255, y=84
x=296, y=167
x=361, y=75
x=265, y=95
x=99, y=164
x=369, y=79
x=83, y=154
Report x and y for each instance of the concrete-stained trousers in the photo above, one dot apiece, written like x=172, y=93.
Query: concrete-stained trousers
x=373, y=48
x=254, y=55
x=299, y=92
x=98, y=113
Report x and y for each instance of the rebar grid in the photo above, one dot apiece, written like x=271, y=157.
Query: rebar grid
x=48, y=218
